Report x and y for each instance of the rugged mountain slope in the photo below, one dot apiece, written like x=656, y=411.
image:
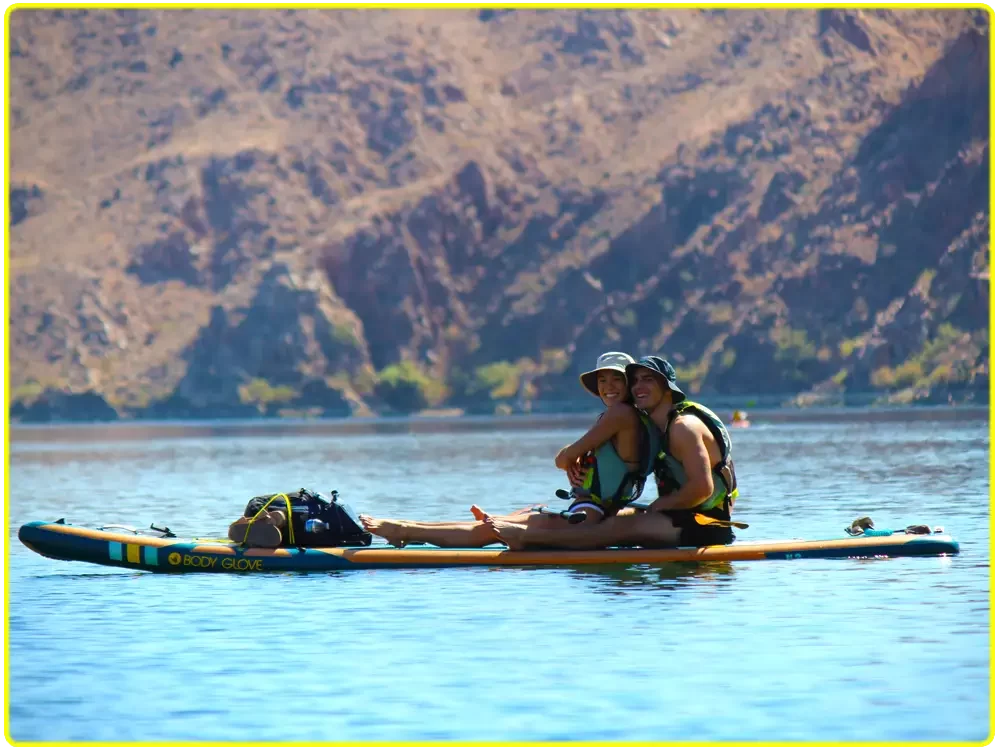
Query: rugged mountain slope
x=234, y=212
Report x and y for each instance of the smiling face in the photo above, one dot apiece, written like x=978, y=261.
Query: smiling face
x=612, y=387
x=647, y=388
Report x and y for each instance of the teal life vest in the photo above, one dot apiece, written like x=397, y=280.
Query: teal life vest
x=610, y=483
x=670, y=475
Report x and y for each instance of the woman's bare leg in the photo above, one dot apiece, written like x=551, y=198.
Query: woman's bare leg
x=399, y=533
x=479, y=514
x=472, y=534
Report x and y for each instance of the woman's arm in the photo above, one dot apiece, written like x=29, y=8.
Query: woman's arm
x=615, y=419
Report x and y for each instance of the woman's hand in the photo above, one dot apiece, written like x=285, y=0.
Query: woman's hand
x=563, y=460
x=576, y=474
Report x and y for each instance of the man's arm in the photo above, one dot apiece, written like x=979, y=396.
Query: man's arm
x=688, y=446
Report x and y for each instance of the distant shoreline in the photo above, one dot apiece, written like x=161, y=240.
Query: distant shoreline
x=550, y=420
x=83, y=408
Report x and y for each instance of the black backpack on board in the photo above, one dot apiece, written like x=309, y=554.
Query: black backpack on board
x=339, y=525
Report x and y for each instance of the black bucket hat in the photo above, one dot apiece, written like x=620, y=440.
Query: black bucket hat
x=662, y=368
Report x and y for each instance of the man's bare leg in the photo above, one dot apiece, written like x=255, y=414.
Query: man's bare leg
x=647, y=529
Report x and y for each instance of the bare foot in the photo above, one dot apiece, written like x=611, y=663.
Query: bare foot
x=511, y=534
x=392, y=531
x=477, y=512
x=488, y=521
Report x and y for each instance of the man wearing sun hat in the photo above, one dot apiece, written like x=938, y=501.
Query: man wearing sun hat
x=695, y=476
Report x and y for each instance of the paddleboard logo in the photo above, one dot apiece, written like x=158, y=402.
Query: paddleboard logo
x=174, y=558
x=242, y=564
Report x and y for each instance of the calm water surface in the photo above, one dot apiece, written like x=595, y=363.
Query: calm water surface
x=808, y=650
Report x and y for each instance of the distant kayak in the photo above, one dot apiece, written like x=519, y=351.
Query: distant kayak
x=126, y=548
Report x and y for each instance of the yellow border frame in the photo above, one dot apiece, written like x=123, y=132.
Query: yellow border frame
x=466, y=6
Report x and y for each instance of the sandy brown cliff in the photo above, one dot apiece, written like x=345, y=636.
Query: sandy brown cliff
x=330, y=212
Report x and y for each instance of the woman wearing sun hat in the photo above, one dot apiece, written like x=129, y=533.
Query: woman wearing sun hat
x=618, y=451
x=617, y=454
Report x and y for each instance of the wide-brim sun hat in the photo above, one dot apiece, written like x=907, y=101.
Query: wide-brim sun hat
x=662, y=368
x=617, y=361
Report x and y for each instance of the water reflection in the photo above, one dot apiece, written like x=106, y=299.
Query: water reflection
x=621, y=580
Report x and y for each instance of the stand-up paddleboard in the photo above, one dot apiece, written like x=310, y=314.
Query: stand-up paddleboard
x=125, y=549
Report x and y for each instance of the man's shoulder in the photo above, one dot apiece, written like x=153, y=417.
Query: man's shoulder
x=688, y=423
